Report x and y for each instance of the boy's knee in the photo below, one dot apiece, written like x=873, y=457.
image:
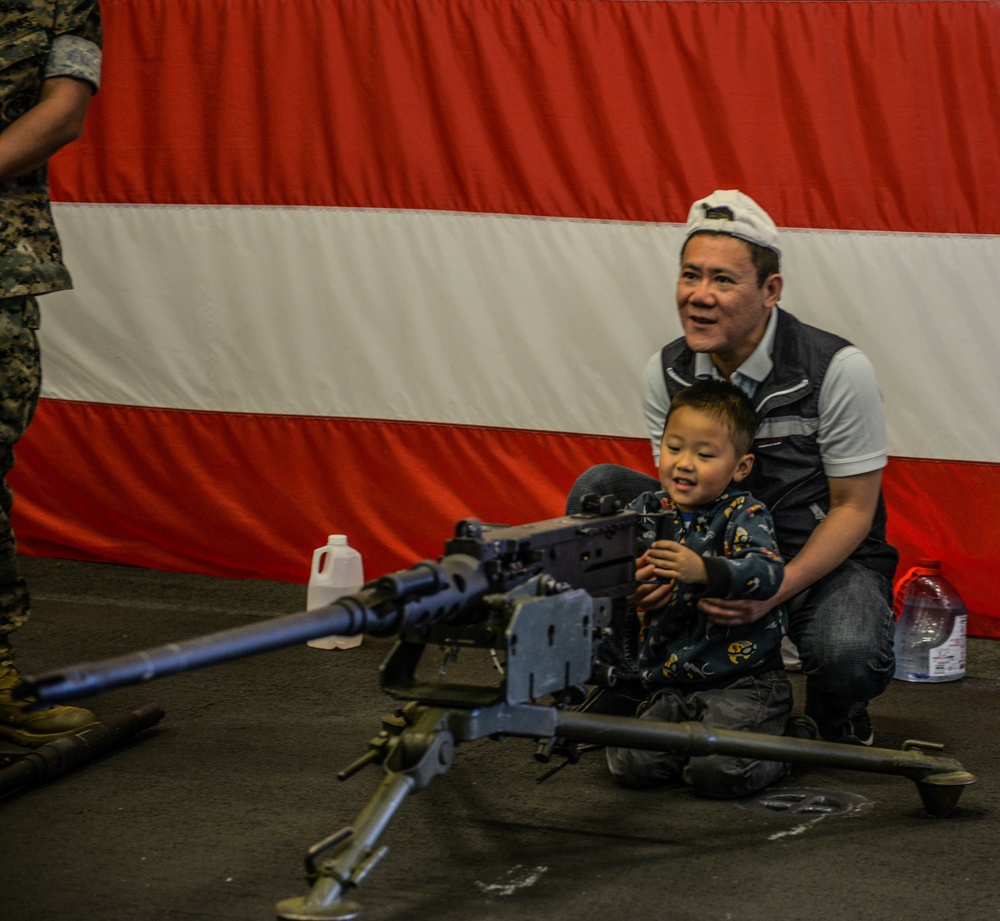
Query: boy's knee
x=713, y=777
x=638, y=770
x=719, y=777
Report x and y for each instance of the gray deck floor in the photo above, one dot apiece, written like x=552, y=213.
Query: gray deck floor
x=208, y=815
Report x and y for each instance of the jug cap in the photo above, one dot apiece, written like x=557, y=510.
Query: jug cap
x=338, y=540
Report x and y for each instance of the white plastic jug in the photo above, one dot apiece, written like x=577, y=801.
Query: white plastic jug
x=337, y=570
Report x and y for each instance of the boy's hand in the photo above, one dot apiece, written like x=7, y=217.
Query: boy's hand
x=650, y=592
x=672, y=560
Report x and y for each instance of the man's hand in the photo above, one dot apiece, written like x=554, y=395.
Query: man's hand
x=733, y=613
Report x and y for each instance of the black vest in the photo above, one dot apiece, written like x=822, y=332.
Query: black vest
x=788, y=471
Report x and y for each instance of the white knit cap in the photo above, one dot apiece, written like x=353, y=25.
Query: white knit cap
x=730, y=211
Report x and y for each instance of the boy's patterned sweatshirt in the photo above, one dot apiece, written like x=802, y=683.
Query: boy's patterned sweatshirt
x=678, y=645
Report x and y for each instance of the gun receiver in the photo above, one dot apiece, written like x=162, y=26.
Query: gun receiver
x=439, y=602
x=541, y=596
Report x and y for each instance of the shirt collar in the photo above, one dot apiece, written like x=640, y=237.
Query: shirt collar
x=758, y=364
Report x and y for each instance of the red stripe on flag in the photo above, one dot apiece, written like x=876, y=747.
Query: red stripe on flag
x=250, y=496
x=950, y=511
x=873, y=116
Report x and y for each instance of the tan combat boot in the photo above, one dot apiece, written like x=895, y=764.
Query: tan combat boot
x=34, y=727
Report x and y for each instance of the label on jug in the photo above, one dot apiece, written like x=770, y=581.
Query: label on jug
x=948, y=659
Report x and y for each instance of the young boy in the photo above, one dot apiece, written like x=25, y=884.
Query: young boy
x=714, y=541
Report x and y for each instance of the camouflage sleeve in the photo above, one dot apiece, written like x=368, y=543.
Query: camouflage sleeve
x=77, y=17
x=73, y=56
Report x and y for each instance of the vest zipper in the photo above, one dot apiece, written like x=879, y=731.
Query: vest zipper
x=788, y=391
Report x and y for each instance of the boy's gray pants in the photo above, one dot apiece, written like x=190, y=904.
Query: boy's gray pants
x=758, y=703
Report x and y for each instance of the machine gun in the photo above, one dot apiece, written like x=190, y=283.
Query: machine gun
x=541, y=596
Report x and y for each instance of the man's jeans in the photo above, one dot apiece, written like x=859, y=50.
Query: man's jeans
x=843, y=628
x=842, y=625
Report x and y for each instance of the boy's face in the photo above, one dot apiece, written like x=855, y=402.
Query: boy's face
x=697, y=458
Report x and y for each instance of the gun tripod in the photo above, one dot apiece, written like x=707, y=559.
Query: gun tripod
x=540, y=594
x=542, y=658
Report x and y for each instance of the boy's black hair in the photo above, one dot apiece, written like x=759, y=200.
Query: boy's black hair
x=725, y=402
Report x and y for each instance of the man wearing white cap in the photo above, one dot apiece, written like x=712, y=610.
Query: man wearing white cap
x=820, y=449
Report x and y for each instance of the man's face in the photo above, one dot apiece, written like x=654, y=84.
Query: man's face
x=722, y=308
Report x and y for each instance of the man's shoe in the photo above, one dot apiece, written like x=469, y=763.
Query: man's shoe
x=858, y=729
x=828, y=711
x=29, y=727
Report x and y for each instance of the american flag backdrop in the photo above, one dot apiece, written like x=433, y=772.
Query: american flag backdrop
x=374, y=266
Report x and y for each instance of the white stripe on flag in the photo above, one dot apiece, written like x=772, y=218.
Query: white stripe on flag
x=486, y=320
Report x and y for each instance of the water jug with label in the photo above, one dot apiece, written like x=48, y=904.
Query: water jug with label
x=931, y=629
x=337, y=570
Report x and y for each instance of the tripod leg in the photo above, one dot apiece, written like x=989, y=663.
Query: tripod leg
x=940, y=781
x=418, y=755
x=357, y=857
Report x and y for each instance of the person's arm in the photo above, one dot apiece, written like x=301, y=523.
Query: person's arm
x=55, y=120
x=853, y=501
x=852, y=439
x=748, y=566
x=655, y=402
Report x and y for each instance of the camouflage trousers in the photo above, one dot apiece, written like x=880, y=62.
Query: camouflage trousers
x=20, y=383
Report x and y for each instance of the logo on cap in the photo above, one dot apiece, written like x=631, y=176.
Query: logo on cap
x=718, y=213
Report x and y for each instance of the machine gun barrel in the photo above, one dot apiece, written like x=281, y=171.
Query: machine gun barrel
x=404, y=599
x=593, y=551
